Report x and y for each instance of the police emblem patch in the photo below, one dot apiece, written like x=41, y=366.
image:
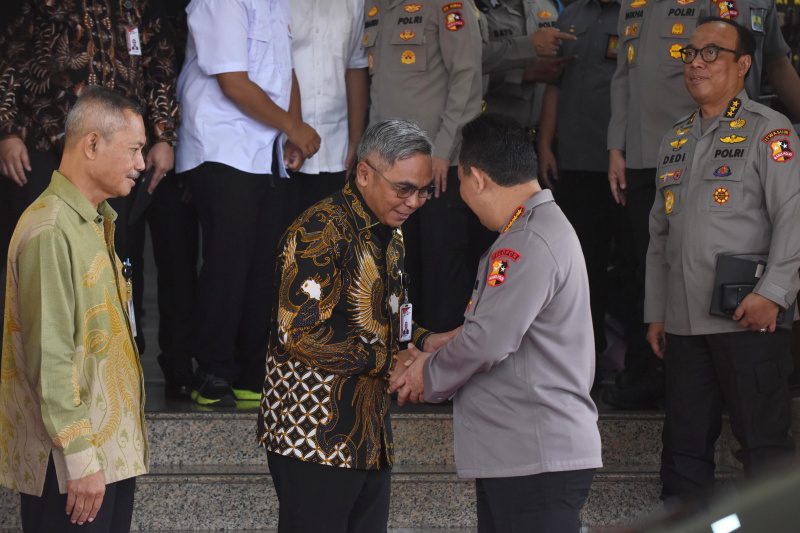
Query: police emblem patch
x=669, y=202
x=674, y=175
x=677, y=29
x=721, y=195
x=508, y=253
x=630, y=54
x=781, y=151
x=454, y=21
x=498, y=273
x=723, y=171
x=412, y=8
x=737, y=124
x=408, y=58
x=727, y=9
x=638, y=3
x=676, y=144
x=675, y=51
x=732, y=139
x=372, y=12
x=683, y=130
x=407, y=34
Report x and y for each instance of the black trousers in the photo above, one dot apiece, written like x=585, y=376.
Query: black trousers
x=444, y=241
x=641, y=193
x=743, y=371
x=545, y=503
x=304, y=190
x=316, y=497
x=241, y=218
x=175, y=235
x=586, y=200
x=46, y=514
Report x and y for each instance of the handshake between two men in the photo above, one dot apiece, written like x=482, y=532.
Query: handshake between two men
x=407, y=377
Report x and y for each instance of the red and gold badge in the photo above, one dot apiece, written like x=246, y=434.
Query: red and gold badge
x=498, y=273
x=412, y=8
x=727, y=9
x=721, y=195
x=517, y=214
x=408, y=57
x=781, y=151
x=407, y=34
x=454, y=21
x=453, y=5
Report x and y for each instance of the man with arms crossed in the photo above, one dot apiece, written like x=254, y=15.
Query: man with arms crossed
x=521, y=368
x=71, y=391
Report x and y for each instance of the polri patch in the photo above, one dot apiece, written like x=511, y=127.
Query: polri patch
x=454, y=21
x=727, y=9
x=497, y=275
x=781, y=151
x=774, y=133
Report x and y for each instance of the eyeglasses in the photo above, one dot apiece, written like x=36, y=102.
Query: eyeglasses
x=709, y=53
x=406, y=191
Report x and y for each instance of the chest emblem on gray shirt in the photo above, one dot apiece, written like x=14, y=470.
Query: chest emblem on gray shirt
x=721, y=195
x=732, y=139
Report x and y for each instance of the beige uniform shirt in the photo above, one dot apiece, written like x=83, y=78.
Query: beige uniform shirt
x=509, y=51
x=733, y=190
x=425, y=65
x=647, y=91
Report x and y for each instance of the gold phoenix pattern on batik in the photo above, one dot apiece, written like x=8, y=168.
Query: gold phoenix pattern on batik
x=334, y=336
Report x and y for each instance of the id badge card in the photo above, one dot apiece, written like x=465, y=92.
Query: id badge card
x=405, y=322
x=134, y=44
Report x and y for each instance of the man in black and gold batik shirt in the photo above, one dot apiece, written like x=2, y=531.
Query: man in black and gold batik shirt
x=335, y=335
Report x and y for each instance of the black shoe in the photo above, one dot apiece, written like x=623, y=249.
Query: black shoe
x=212, y=390
x=645, y=394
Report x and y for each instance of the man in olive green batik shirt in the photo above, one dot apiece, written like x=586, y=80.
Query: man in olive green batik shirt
x=72, y=431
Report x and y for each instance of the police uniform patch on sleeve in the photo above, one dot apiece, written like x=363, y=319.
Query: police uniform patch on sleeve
x=727, y=9
x=612, y=47
x=497, y=275
x=721, y=195
x=454, y=21
x=781, y=151
x=774, y=133
x=669, y=202
x=507, y=253
x=453, y=5
x=732, y=139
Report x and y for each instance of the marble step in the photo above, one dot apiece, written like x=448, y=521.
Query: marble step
x=242, y=497
x=229, y=437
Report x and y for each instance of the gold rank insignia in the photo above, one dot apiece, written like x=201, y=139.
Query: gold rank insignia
x=677, y=29
x=683, y=130
x=372, y=12
x=638, y=3
x=737, y=124
x=412, y=8
x=630, y=54
x=669, y=202
x=733, y=108
x=408, y=57
x=544, y=15
x=407, y=34
x=721, y=195
x=366, y=38
x=676, y=144
x=732, y=139
x=675, y=51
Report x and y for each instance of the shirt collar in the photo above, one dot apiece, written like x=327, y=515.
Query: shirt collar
x=64, y=189
x=523, y=212
x=362, y=214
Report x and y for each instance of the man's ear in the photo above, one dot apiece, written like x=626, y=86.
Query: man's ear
x=90, y=145
x=482, y=180
x=744, y=65
x=362, y=173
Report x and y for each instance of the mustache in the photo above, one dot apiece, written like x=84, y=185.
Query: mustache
x=134, y=175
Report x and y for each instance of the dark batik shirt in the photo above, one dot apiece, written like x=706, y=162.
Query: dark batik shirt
x=52, y=50
x=334, y=336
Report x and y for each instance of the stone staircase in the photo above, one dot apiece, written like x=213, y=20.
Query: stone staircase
x=208, y=474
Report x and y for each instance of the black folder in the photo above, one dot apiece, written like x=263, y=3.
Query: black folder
x=737, y=276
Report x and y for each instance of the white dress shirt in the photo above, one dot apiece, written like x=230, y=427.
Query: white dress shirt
x=327, y=42
x=252, y=36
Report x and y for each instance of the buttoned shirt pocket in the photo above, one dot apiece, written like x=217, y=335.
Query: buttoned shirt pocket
x=261, y=41
x=409, y=49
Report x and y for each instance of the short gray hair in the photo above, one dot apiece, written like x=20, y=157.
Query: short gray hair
x=101, y=110
x=394, y=139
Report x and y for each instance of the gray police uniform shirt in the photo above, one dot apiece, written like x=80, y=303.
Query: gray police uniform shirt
x=510, y=23
x=648, y=93
x=425, y=65
x=522, y=366
x=733, y=190
x=584, y=100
